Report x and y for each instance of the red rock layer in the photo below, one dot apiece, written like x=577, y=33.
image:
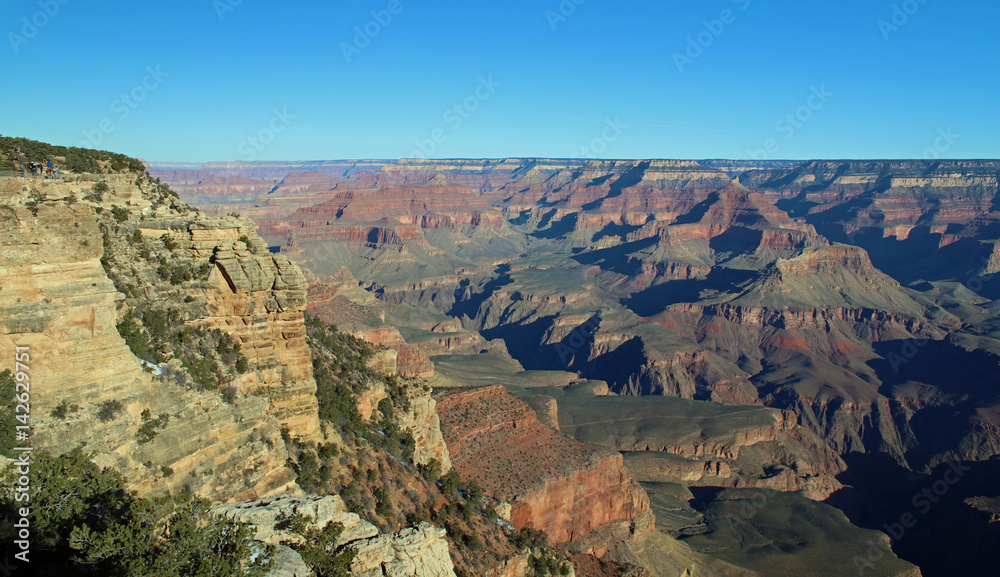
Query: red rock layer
x=554, y=483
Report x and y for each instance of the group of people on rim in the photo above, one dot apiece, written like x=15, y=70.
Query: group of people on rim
x=47, y=170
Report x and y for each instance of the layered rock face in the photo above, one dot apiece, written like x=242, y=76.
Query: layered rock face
x=826, y=290
x=420, y=551
x=58, y=301
x=421, y=419
x=259, y=300
x=555, y=484
x=748, y=235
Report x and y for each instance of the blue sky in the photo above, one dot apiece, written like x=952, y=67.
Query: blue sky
x=248, y=79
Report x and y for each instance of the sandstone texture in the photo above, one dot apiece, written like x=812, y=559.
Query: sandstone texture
x=855, y=298
x=553, y=483
x=58, y=300
x=420, y=551
x=259, y=300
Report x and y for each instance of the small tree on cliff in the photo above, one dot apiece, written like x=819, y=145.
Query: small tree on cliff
x=85, y=522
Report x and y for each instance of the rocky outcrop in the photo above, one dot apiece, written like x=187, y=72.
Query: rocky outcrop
x=288, y=563
x=266, y=516
x=58, y=301
x=420, y=419
x=423, y=422
x=420, y=551
x=258, y=298
x=552, y=482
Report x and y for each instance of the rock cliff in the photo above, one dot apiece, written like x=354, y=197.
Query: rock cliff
x=858, y=296
x=420, y=551
x=553, y=483
x=256, y=297
x=163, y=435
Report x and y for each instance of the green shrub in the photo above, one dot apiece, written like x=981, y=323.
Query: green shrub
x=318, y=548
x=246, y=240
x=108, y=410
x=119, y=213
x=97, y=192
x=529, y=538
x=8, y=423
x=147, y=430
x=449, y=482
x=431, y=471
x=383, y=505
x=63, y=410
x=87, y=523
x=133, y=335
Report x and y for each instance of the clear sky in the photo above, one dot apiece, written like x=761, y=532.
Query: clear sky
x=302, y=80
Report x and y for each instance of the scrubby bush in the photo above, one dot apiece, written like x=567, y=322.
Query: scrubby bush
x=87, y=523
x=528, y=538
x=246, y=240
x=431, y=471
x=168, y=242
x=449, y=482
x=318, y=547
x=119, y=213
x=97, y=192
x=63, y=410
x=108, y=410
x=383, y=505
x=8, y=422
x=147, y=430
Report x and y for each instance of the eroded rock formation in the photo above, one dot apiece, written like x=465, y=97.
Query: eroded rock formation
x=420, y=551
x=553, y=483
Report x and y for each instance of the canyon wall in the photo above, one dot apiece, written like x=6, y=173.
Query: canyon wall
x=553, y=483
x=58, y=300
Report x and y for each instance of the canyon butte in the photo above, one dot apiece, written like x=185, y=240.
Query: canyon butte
x=519, y=367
